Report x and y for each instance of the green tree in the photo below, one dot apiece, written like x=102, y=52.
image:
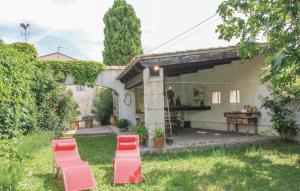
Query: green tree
x=276, y=22
x=122, y=34
x=103, y=107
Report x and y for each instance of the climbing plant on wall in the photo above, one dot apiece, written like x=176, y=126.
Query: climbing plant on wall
x=84, y=72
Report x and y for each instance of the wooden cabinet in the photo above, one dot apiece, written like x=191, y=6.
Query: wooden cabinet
x=238, y=118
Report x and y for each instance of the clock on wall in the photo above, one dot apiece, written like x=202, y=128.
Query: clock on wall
x=127, y=99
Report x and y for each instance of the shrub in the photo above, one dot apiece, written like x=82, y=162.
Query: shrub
x=55, y=104
x=103, y=107
x=122, y=123
x=25, y=48
x=30, y=97
x=281, y=116
x=17, y=105
x=140, y=130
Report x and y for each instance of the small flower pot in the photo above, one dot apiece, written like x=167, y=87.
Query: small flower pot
x=159, y=142
x=142, y=142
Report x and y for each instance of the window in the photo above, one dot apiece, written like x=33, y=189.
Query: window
x=235, y=96
x=216, y=97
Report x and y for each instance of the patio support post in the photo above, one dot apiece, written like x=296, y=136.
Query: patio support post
x=153, y=102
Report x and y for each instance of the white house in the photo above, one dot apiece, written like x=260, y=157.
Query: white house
x=207, y=82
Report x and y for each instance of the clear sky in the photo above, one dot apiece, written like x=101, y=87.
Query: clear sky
x=77, y=25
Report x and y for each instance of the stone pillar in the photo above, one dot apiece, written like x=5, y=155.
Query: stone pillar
x=153, y=102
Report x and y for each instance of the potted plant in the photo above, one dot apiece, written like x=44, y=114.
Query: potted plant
x=142, y=132
x=159, y=137
x=122, y=124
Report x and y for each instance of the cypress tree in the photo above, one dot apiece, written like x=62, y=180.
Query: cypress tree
x=122, y=34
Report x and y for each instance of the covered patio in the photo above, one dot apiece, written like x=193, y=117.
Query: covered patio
x=197, y=138
x=194, y=90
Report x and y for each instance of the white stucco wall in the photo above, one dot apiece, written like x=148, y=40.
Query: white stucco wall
x=84, y=98
x=244, y=77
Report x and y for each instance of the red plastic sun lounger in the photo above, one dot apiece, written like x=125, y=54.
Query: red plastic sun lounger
x=78, y=177
x=65, y=150
x=127, y=162
x=77, y=174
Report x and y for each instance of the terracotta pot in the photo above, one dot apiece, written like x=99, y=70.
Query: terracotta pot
x=142, y=142
x=159, y=142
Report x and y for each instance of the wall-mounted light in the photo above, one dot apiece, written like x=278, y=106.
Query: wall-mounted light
x=154, y=70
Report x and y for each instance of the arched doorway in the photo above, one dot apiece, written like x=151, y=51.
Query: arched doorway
x=124, y=99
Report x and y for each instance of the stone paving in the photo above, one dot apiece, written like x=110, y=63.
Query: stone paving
x=203, y=138
x=189, y=138
x=95, y=131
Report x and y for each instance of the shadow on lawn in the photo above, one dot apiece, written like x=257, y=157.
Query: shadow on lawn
x=97, y=151
x=256, y=173
x=51, y=183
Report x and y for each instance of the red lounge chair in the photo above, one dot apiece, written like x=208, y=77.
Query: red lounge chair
x=127, y=162
x=79, y=177
x=65, y=152
x=77, y=174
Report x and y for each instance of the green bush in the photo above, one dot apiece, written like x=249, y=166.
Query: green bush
x=17, y=105
x=30, y=96
x=140, y=130
x=122, y=123
x=55, y=105
x=103, y=107
x=281, y=116
x=25, y=48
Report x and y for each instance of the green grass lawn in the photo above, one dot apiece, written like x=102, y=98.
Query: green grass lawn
x=267, y=167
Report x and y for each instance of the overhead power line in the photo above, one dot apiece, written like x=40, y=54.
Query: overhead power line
x=180, y=40
x=186, y=31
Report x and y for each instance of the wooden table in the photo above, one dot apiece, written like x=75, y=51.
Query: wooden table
x=239, y=118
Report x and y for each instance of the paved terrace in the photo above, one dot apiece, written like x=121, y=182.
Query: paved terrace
x=189, y=138
x=203, y=138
